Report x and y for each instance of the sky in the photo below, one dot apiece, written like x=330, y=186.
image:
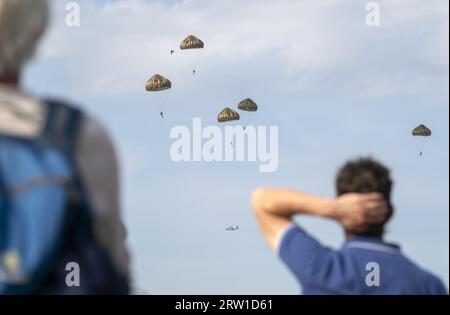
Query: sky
x=336, y=88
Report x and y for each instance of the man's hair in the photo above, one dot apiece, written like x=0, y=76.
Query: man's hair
x=22, y=22
x=365, y=175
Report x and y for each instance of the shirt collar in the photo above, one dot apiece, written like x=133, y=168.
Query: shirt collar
x=20, y=114
x=371, y=243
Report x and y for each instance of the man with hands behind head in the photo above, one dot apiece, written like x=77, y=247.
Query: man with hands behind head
x=365, y=264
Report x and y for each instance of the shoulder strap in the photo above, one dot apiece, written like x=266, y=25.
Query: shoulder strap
x=62, y=125
x=62, y=128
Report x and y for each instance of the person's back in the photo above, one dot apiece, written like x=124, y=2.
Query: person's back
x=365, y=264
x=397, y=273
x=58, y=170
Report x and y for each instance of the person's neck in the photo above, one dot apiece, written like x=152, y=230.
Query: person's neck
x=11, y=80
x=350, y=236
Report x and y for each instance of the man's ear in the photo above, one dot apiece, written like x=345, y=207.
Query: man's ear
x=390, y=214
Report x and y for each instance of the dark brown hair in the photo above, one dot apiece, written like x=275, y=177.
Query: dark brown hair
x=366, y=175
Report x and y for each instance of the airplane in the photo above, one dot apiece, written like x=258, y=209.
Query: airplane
x=172, y=51
x=232, y=228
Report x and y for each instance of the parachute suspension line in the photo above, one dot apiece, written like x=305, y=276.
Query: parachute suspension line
x=159, y=85
x=421, y=132
x=162, y=103
x=190, y=43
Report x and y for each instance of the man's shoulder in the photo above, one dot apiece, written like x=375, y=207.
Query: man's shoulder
x=434, y=284
x=419, y=279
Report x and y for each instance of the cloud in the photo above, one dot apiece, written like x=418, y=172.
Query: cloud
x=307, y=46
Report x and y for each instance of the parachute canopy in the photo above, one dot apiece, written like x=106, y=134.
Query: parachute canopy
x=422, y=131
x=158, y=83
x=191, y=42
x=248, y=105
x=227, y=115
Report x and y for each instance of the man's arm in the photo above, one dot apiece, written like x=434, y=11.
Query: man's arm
x=274, y=209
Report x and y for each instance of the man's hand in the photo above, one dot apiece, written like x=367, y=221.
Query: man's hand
x=274, y=209
x=356, y=212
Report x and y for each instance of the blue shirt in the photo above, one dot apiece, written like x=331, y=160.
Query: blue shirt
x=363, y=265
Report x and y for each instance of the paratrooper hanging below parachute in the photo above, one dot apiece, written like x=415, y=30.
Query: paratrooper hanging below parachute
x=421, y=131
x=192, y=42
x=158, y=83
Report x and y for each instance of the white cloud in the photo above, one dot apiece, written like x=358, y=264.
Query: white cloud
x=314, y=45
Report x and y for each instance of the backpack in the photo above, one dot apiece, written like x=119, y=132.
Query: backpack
x=47, y=244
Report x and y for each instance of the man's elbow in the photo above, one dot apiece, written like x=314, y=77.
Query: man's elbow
x=259, y=199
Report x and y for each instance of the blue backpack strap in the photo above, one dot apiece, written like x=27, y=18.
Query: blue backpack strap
x=62, y=129
x=62, y=126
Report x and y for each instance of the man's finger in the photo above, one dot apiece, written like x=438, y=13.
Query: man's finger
x=377, y=211
x=374, y=205
x=372, y=196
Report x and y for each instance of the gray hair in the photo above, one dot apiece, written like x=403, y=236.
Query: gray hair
x=22, y=22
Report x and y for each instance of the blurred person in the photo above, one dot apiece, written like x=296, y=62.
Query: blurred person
x=60, y=221
x=366, y=263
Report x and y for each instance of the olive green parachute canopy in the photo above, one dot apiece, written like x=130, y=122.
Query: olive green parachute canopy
x=422, y=131
x=191, y=42
x=227, y=115
x=248, y=105
x=157, y=83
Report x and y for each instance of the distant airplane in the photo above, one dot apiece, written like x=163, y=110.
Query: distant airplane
x=232, y=228
x=162, y=115
x=172, y=51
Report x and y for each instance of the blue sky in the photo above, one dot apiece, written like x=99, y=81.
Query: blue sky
x=336, y=88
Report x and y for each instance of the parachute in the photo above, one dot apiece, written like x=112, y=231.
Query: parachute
x=248, y=105
x=191, y=42
x=421, y=131
x=158, y=83
x=227, y=114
